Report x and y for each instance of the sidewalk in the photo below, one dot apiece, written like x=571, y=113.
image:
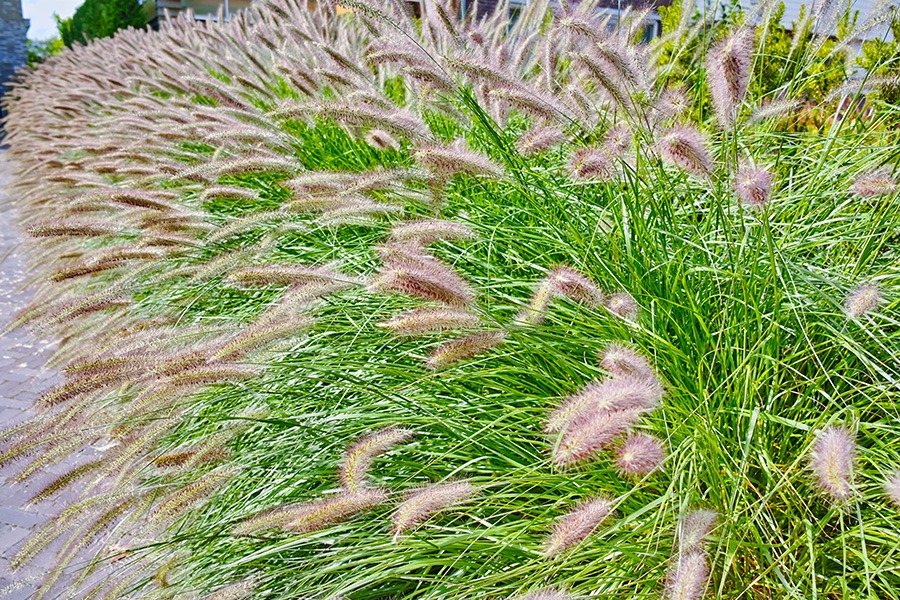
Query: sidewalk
x=23, y=378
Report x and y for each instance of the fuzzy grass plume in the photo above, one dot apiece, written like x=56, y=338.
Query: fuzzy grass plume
x=257, y=240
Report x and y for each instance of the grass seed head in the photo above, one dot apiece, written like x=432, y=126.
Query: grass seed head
x=428, y=320
x=728, y=70
x=576, y=286
x=687, y=577
x=623, y=304
x=880, y=183
x=573, y=527
x=422, y=504
x=693, y=527
x=540, y=139
x=591, y=164
x=683, y=146
x=863, y=300
x=585, y=437
x=428, y=231
x=639, y=455
x=544, y=594
x=624, y=392
x=454, y=351
x=892, y=488
x=831, y=461
x=618, y=359
x=359, y=455
x=455, y=158
x=752, y=185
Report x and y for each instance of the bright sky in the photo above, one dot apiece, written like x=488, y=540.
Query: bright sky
x=41, y=14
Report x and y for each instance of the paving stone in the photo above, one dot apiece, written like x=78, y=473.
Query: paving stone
x=24, y=377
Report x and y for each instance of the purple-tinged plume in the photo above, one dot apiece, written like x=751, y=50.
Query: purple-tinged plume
x=623, y=305
x=585, y=437
x=728, y=69
x=752, y=185
x=621, y=360
x=687, y=577
x=831, y=461
x=428, y=231
x=624, y=392
x=427, y=279
x=574, y=285
x=313, y=515
x=427, y=320
x=421, y=504
x=693, y=527
x=360, y=454
x=639, y=455
x=539, y=139
x=454, y=351
x=573, y=527
x=590, y=164
x=863, y=300
x=543, y=594
x=455, y=158
x=617, y=140
x=683, y=146
x=382, y=140
x=892, y=488
x=880, y=183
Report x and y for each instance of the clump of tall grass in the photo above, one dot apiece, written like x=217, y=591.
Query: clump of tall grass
x=276, y=248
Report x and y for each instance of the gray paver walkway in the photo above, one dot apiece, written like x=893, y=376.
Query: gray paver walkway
x=23, y=378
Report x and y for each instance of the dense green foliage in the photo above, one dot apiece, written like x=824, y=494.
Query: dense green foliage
x=881, y=58
x=222, y=244
x=41, y=50
x=101, y=18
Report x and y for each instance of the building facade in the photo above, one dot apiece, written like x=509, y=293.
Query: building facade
x=13, y=32
x=202, y=9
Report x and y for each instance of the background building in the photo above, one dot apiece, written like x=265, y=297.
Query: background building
x=203, y=9
x=13, y=31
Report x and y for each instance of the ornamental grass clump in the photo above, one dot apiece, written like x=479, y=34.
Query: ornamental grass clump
x=575, y=265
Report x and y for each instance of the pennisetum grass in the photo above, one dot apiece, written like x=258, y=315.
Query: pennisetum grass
x=309, y=231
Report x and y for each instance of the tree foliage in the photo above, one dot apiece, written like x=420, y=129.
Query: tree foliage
x=101, y=18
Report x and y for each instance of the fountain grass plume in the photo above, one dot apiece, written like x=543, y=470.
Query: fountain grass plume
x=728, y=71
x=576, y=525
x=623, y=305
x=591, y=164
x=427, y=231
x=544, y=594
x=625, y=392
x=540, y=139
x=621, y=360
x=639, y=454
x=832, y=462
x=593, y=431
x=892, y=488
x=460, y=349
x=429, y=320
x=455, y=158
x=423, y=503
x=313, y=515
x=753, y=185
x=879, y=183
x=684, y=146
x=693, y=529
x=863, y=300
x=572, y=284
x=359, y=455
x=687, y=577
x=426, y=279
